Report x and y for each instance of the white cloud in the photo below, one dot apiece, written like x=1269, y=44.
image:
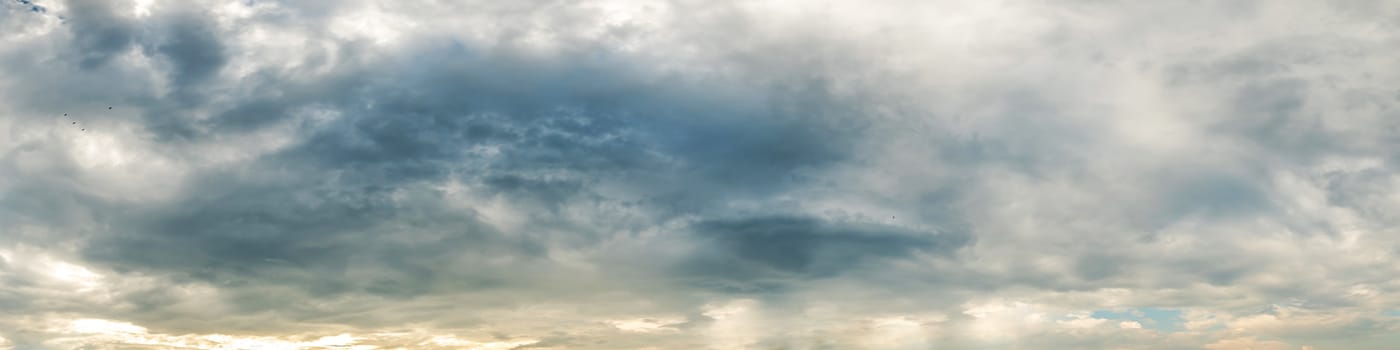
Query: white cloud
x=647, y=324
x=1249, y=343
x=110, y=334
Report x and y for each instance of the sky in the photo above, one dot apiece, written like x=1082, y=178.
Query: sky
x=688, y=174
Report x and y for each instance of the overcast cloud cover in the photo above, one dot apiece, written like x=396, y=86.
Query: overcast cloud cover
x=757, y=174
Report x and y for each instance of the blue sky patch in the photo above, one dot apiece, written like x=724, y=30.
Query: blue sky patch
x=1165, y=320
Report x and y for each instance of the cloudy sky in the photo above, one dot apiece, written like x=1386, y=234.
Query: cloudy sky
x=699, y=174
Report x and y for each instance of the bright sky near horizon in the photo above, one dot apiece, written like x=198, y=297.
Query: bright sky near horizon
x=699, y=174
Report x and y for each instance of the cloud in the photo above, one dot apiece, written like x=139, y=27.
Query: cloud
x=679, y=174
x=805, y=247
x=1248, y=343
x=99, y=32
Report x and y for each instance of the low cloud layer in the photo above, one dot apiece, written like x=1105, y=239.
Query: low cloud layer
x=699, y=174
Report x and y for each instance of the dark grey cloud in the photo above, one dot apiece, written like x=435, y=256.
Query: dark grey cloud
x=192, y=49
x=350, y=207
x=99, y=32
x=790, y=247
x=32, y=7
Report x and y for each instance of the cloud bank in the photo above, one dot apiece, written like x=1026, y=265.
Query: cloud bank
x=767, y=174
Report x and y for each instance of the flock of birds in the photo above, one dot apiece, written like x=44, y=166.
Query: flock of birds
x=75, y=122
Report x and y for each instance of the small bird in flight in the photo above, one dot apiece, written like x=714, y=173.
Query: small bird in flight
x=109, y=107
